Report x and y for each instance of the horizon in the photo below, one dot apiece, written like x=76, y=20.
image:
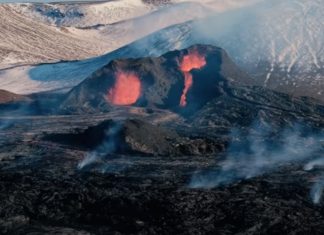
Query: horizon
x=56, y=1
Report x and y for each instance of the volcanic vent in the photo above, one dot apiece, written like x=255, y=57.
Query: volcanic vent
x=193, y=60
x=126, y=90
x=179, y=80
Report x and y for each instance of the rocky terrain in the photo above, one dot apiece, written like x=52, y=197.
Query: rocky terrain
x=9, y=97
x=176, y=144
x=80, y=175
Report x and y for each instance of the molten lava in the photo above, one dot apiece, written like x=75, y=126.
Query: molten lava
x=193, y=60
x=127, y=89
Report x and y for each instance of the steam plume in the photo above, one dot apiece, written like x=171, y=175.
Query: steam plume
x=108, y=146
x=317, y=188
x=258, y=155
x=317, y=191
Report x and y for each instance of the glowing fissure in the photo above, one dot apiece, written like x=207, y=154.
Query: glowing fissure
x=126, y=90
x=193, y=60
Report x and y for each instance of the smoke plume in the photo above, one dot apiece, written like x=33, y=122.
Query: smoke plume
x=108, y=146
x=317, y=188
x=261, y=151
x=317, y=191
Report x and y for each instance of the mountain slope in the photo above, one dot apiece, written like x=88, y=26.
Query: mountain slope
x=26, y=41
x=89, y=14
x=84, y=14
x=278, y=42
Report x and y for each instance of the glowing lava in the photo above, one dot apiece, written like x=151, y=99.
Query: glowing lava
x=193, y=60
x=127, y=89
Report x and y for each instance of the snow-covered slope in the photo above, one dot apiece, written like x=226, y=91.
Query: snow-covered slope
x=266, y=38
x=131, y=30
x=280, y=42
x=26, y=39
x=90, y=14
x=85, y=14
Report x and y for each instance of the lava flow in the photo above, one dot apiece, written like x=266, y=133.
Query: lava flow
x=193, y=60
x=127, y=89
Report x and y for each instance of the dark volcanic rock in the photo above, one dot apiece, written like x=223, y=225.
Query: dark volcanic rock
x=243, y=106
x=51, y=201
x=44, y=192
x=142, y=137
x=134, y=136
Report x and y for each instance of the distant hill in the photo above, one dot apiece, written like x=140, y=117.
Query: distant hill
x=7, y=97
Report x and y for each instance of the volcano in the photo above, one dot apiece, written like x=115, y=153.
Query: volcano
x=179, y=80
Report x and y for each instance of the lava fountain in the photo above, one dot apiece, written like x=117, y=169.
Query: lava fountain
x=193, y=60
x=126, y=90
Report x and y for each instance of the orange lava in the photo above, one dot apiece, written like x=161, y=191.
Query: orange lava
x=127, y=89
x=193, y=60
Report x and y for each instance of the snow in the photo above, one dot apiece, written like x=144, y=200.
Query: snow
x=85, y=14
x=283, y=33
x=26, y=39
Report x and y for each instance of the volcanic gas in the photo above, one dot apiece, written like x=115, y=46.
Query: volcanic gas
x=194, y=60
x=126, y=90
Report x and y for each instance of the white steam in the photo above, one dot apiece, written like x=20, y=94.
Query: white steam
x=314, y=163
x=317, y=191
x=259, y=153
x=107, y=147
x=318, y=186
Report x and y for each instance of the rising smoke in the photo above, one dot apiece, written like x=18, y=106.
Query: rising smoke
x=100, y=153
x=318, y=186
x=257, y=152
x=317, y=191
